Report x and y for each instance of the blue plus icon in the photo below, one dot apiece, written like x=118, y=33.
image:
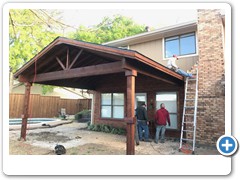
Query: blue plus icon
x=227, y=145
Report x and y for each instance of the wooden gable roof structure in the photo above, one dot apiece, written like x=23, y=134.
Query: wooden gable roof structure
x=72, y=63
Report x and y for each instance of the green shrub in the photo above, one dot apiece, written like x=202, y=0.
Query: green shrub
x=114, y=131
x=106, y=129
x=121, y=131
x=90, y=127
x=83, y=114
x=88, y=123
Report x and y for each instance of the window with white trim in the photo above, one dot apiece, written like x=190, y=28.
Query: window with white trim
x=184, y=44
x=112, y=105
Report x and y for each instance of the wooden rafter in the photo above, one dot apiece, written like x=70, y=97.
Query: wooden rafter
x=75, y=59
x=126, y=65
x=93, y=70
x=67, y=61
x=61, y=64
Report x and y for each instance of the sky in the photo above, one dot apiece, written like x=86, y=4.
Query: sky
x=154, y=18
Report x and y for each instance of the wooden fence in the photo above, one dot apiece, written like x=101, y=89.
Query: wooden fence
x=45, y=106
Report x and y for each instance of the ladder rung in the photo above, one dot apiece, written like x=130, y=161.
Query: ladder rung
x=187, y=139
x=188, y=122
x=191, y=93
x=188, y=131
x=189, y=106
x=187, y=148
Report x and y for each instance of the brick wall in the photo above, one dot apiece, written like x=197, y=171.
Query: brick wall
x=143, y=85
x=211, y=103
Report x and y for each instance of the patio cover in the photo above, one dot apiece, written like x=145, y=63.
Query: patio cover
x=79, y=64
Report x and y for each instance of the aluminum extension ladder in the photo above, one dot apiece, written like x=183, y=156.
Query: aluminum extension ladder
x=189, y=118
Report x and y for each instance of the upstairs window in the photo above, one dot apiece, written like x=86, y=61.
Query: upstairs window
x=180, y=45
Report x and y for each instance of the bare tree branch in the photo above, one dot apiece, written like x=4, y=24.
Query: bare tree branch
x=12, y=25
x=58, y=22
x=40, y=18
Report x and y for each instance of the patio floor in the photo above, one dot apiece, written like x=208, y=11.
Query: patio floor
x=80, y=141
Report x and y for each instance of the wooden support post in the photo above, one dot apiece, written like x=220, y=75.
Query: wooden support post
x=25, y=110
x=130, y=120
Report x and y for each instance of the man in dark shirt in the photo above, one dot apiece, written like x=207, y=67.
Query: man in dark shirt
x=141, y=114
x=161, y=119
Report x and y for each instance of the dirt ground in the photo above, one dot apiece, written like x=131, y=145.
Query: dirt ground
x=79, y=141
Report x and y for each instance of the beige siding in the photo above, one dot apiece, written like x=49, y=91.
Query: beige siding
x=154, y=50
x=151, y=49
x=185, y=63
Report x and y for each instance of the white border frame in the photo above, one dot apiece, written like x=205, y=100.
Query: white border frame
x=127, y=165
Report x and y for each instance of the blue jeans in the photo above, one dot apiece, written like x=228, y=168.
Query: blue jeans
x=162, y=129
x=179, y=71
x=142, y=125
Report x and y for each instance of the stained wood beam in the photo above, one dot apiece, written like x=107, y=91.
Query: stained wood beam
x=67, y=61
x=22, y=79
x=126, y=65
x=59, y=61
x=94, y=70
x=130, y=119
x=75, y=59
x=25, y=111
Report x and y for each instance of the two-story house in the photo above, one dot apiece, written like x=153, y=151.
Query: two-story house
x=201, y=43
x=124, y=72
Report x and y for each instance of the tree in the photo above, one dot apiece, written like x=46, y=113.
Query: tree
x=109, y=29
x=29, y=32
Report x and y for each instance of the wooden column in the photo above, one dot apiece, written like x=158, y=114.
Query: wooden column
x=25, y=110
x=130, y=120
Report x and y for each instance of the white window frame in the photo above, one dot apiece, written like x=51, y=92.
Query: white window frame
x=181, y=56
x=112, y=106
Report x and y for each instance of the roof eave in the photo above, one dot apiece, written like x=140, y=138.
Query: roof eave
x=120, y=52
x=159, y=33
x=37, y=56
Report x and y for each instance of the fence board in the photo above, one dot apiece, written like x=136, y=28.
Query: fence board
x=45, y=106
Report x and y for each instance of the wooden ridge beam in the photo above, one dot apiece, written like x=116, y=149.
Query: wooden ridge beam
x=93, y=70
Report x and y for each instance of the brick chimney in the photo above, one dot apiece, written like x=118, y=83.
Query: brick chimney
x=211, y=101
